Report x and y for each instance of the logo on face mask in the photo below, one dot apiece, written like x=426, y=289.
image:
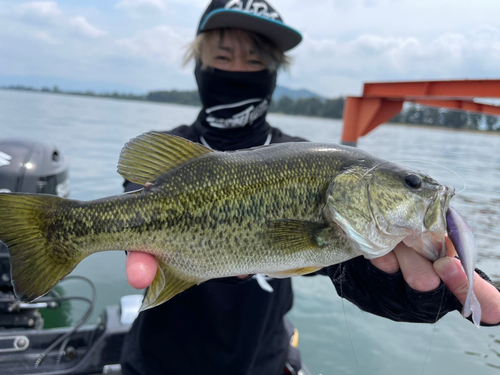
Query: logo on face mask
x=256, y=7
x=4, y=159
x=240, y=119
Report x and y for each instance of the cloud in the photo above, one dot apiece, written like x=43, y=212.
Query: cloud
x=46, y=38
x=371, y=57
x=134, y=4
x=349, y=4
x=80, y=25
x=161, y=44
x=345, y=42
x=39, y=9
x=45, y=18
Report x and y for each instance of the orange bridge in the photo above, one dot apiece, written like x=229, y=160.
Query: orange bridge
x=382, y=101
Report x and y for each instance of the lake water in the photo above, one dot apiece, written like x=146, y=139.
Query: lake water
x=92, y=131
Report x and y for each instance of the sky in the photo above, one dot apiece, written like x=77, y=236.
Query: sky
x=138, y=45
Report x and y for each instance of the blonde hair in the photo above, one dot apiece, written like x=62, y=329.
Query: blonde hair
x=272, y=56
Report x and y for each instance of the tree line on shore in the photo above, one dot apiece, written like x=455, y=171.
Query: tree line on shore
x=326, y=108
x=411, y=114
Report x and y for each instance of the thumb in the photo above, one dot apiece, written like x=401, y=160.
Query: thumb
x=451, y=272
x=141, y=269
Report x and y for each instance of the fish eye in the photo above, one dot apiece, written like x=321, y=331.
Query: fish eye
x=413, y=181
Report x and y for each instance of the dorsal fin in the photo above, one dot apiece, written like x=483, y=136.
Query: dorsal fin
x=148, y=156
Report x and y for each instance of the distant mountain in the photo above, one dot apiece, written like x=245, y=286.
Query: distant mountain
x=295, y=94
x=66, y=84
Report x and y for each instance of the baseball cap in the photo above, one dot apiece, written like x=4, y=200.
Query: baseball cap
x=252, y=15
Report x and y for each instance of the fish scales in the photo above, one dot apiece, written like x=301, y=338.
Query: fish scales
x=282, y=210
x=222, y=200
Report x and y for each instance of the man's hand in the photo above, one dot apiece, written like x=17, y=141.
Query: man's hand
x=422, y=275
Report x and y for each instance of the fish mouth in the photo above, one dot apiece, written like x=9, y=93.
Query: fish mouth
x=429, y=240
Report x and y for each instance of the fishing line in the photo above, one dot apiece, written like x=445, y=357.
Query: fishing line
x=434, y=328
x=345, y=315
x=416, y=161
x=442, y=297
x=437, y=165
x=370, y=170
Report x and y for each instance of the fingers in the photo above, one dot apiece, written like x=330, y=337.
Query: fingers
x=141, y=269
x=417, y=271
x=450, y=270
x=387, y=263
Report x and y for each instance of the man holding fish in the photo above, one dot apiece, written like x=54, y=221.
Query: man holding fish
x=217, y=218
x=234, y=51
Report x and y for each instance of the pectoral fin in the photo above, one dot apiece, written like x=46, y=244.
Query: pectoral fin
x=165, y=285
x=294, y=272
x=297, y=235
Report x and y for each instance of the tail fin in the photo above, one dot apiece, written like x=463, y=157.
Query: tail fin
x=37, y=263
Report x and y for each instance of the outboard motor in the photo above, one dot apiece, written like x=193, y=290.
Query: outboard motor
x=30, y=167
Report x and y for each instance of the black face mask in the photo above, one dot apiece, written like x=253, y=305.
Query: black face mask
x=235, y=105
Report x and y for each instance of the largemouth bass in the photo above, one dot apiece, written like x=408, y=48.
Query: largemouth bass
x=281, y=210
